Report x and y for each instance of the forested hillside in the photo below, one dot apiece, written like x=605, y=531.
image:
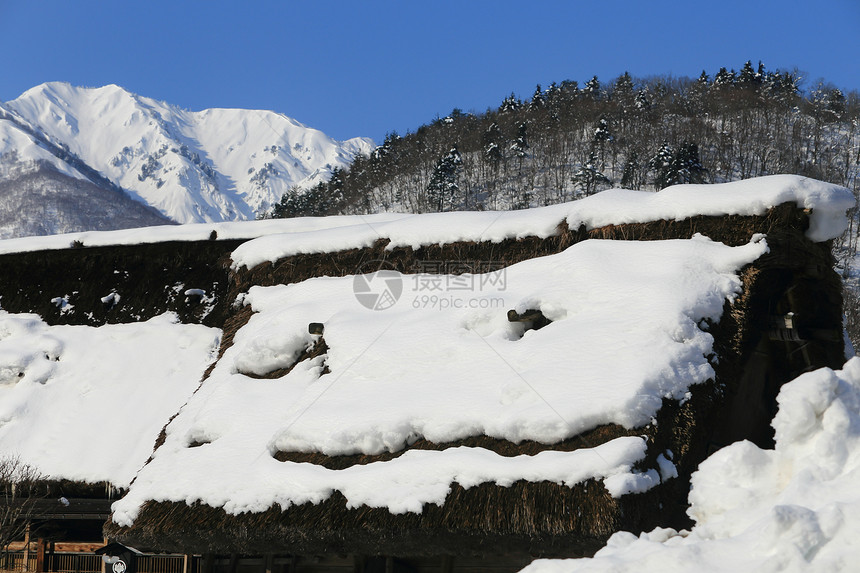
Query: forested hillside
x=568, y=140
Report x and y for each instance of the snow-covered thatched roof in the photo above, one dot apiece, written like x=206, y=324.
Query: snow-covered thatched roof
x=422, y=401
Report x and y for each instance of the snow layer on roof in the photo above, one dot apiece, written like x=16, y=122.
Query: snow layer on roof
x=279, y=238
x=86, y=404
x=795, y=508
x=190, y=232
x=440, y=360
x=615, y=206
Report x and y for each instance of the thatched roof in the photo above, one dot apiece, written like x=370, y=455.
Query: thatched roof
x=752, y=357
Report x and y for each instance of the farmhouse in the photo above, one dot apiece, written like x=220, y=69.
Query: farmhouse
x=438, y=392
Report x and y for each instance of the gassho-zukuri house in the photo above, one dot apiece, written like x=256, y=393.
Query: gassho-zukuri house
x=437, y=392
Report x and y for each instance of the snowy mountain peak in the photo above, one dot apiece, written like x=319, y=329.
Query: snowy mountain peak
x=206, y=166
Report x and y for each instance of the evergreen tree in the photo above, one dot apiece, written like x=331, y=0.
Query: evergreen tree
x=662, y=164
x=687, y=164
x=589, y=177
x=553, y=94
x=334, y=199
x=570, y=88
x=491, y=144
x=672, y=167
x=602, y=134
x=443, y=190
x=520, y=145
x=290, y=205
x=623, y=86
x=630, y=174
x=601, y=137
x=592, y=88
x=538, y=99
x=747, y=76
x=642, y=102
x=697, y=94
x=510, y=103
x=724, y=79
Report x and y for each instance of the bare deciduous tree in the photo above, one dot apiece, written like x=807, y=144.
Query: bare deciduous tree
x=19, y=490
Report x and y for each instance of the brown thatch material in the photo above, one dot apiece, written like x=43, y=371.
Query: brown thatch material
x=547, y=518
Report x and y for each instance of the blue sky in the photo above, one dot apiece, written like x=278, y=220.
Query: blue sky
x=370, y=67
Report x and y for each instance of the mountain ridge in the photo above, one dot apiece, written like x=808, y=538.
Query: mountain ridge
x=213, y=165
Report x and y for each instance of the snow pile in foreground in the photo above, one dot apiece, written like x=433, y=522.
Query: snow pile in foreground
x=795, y=508
x=442, y=362
x=87, y=404
x=827, y=201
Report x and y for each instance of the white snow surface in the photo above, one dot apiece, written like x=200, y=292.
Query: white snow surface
x=20, y=151
x=87, y=404
x=444, y=363
x=794, y=508
x=278, y=238
x=828, y=202
x=194, y=167
x=190, y=232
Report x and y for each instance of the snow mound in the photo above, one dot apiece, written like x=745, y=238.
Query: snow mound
x=445, y=366
x=87, y=404
x=794, y=508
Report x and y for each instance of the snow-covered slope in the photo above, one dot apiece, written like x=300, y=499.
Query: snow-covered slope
x=40, y=200
x=212, y=165
x=60, y=383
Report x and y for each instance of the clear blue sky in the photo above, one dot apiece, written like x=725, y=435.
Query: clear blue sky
x=365, y=68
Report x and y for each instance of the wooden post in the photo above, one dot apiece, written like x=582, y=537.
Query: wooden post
x=234, y=562
x=186, y=563
x=41, y=545
x=269, y=562
x=26, y=548
x=447, y=564
x=389, y=565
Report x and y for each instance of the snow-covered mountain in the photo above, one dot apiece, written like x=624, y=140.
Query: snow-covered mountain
x=207, y=166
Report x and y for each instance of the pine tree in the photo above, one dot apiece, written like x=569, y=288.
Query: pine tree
x=630, y=173
x=724, y=79
x=687, y=164
x=592, y=88
x=697, y=94
x=622, y=91
x=520, y=145
x=601, y=137
x=553, y=94
x=747, y=76
x=672, y=167
x=602, y=134
x=443, y=190
x=491, y=144
x=290, y=205
x=642, y=102
x=589, y=177
x=510, y=103
x=662, y=164
x=335, y=198
x=538, y=99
